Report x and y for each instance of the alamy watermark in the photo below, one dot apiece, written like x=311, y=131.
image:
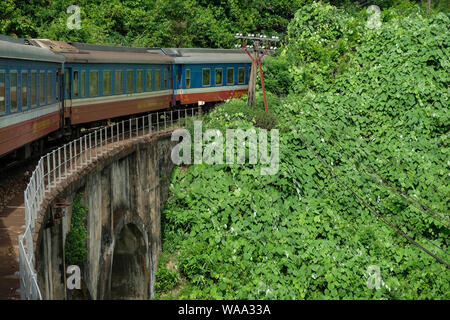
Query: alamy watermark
x=209, y=147
x=374, y=281
x=74, y=277
x=74, y=21
x=374, y=21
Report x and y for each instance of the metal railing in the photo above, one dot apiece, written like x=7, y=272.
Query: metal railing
x=67, y=159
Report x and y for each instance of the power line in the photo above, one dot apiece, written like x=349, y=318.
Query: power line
x=423, y=208
x=405, y=225
x=368, y=206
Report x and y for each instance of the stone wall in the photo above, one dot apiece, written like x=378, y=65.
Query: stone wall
x=124, y=192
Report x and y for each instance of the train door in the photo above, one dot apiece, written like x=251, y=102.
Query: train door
x=67, y=92
x=66, y=99
x=178, y=81
x=60, y=95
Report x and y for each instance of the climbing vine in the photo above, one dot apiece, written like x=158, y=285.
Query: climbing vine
x=75, y=246
x=378, y=125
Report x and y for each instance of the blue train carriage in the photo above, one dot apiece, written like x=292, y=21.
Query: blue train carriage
x=208, y=75
x=105, y=82
x=30, y=106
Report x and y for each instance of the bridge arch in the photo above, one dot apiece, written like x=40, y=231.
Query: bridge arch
x=124, y=192
x=131, y=260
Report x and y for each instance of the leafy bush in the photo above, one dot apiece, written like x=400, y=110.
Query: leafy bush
x=165, y=280
x=320, y=37
x=277, y=75
x=301, y=234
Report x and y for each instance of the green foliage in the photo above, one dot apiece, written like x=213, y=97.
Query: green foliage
x=158, y=23
x=277, y=75
x=165, y=280
x=320, y=38
x=75, y=246
x=301, y=234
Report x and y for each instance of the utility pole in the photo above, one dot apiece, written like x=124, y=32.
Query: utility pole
x=256, y=51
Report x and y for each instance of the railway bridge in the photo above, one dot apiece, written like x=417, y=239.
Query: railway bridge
x=122, y=172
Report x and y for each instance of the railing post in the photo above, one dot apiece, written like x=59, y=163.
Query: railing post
x=81, y=150
x=165, y=126
x=117, y=133
x=137, y=127
x=112, y=137
x=130, y=129
x=58, y=166
x=151, y=123
x=85, y=149
x=41, y=165
x=157, y=122
x=54, y=169
x=65, y=161
x=106, y=139
x=70, y=155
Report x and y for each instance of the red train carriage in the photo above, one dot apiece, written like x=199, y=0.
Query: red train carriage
x=30, y=105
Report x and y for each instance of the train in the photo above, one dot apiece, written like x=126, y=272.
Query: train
x=53, y=89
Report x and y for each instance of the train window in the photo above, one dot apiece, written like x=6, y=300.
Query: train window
x=219, y=75
x=230, y=76
x=241, y=75
x=166, y=80
x=49, y=87
x=107, y=83
x=75, y=84
x=83, y=84
x=188, y=78
x=157, y=79
x=13, y=91
x=24, y=86
x=2, y=93
x=118, y=82
x=33, y=88
x=170, y=78
x=129, y=81
x=206, y=77
x=42, y=88
x=148, y=86
x=93, y=83
x=66, y=81
x=140, y=80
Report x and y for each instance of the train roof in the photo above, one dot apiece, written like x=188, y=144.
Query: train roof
x=88, y=53
x=18, y=49
x=101, y=47
x=202, y=56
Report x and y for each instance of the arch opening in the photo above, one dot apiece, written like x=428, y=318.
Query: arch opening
x=130, y=273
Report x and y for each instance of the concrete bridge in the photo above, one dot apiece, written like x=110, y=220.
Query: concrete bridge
x=123, y=173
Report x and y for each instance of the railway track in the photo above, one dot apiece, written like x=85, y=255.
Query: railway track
x=12, y=185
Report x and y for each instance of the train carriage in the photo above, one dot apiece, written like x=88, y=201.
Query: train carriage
x=103, y=82
x=47, y=85
x=208, y=75
x=30, y=105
